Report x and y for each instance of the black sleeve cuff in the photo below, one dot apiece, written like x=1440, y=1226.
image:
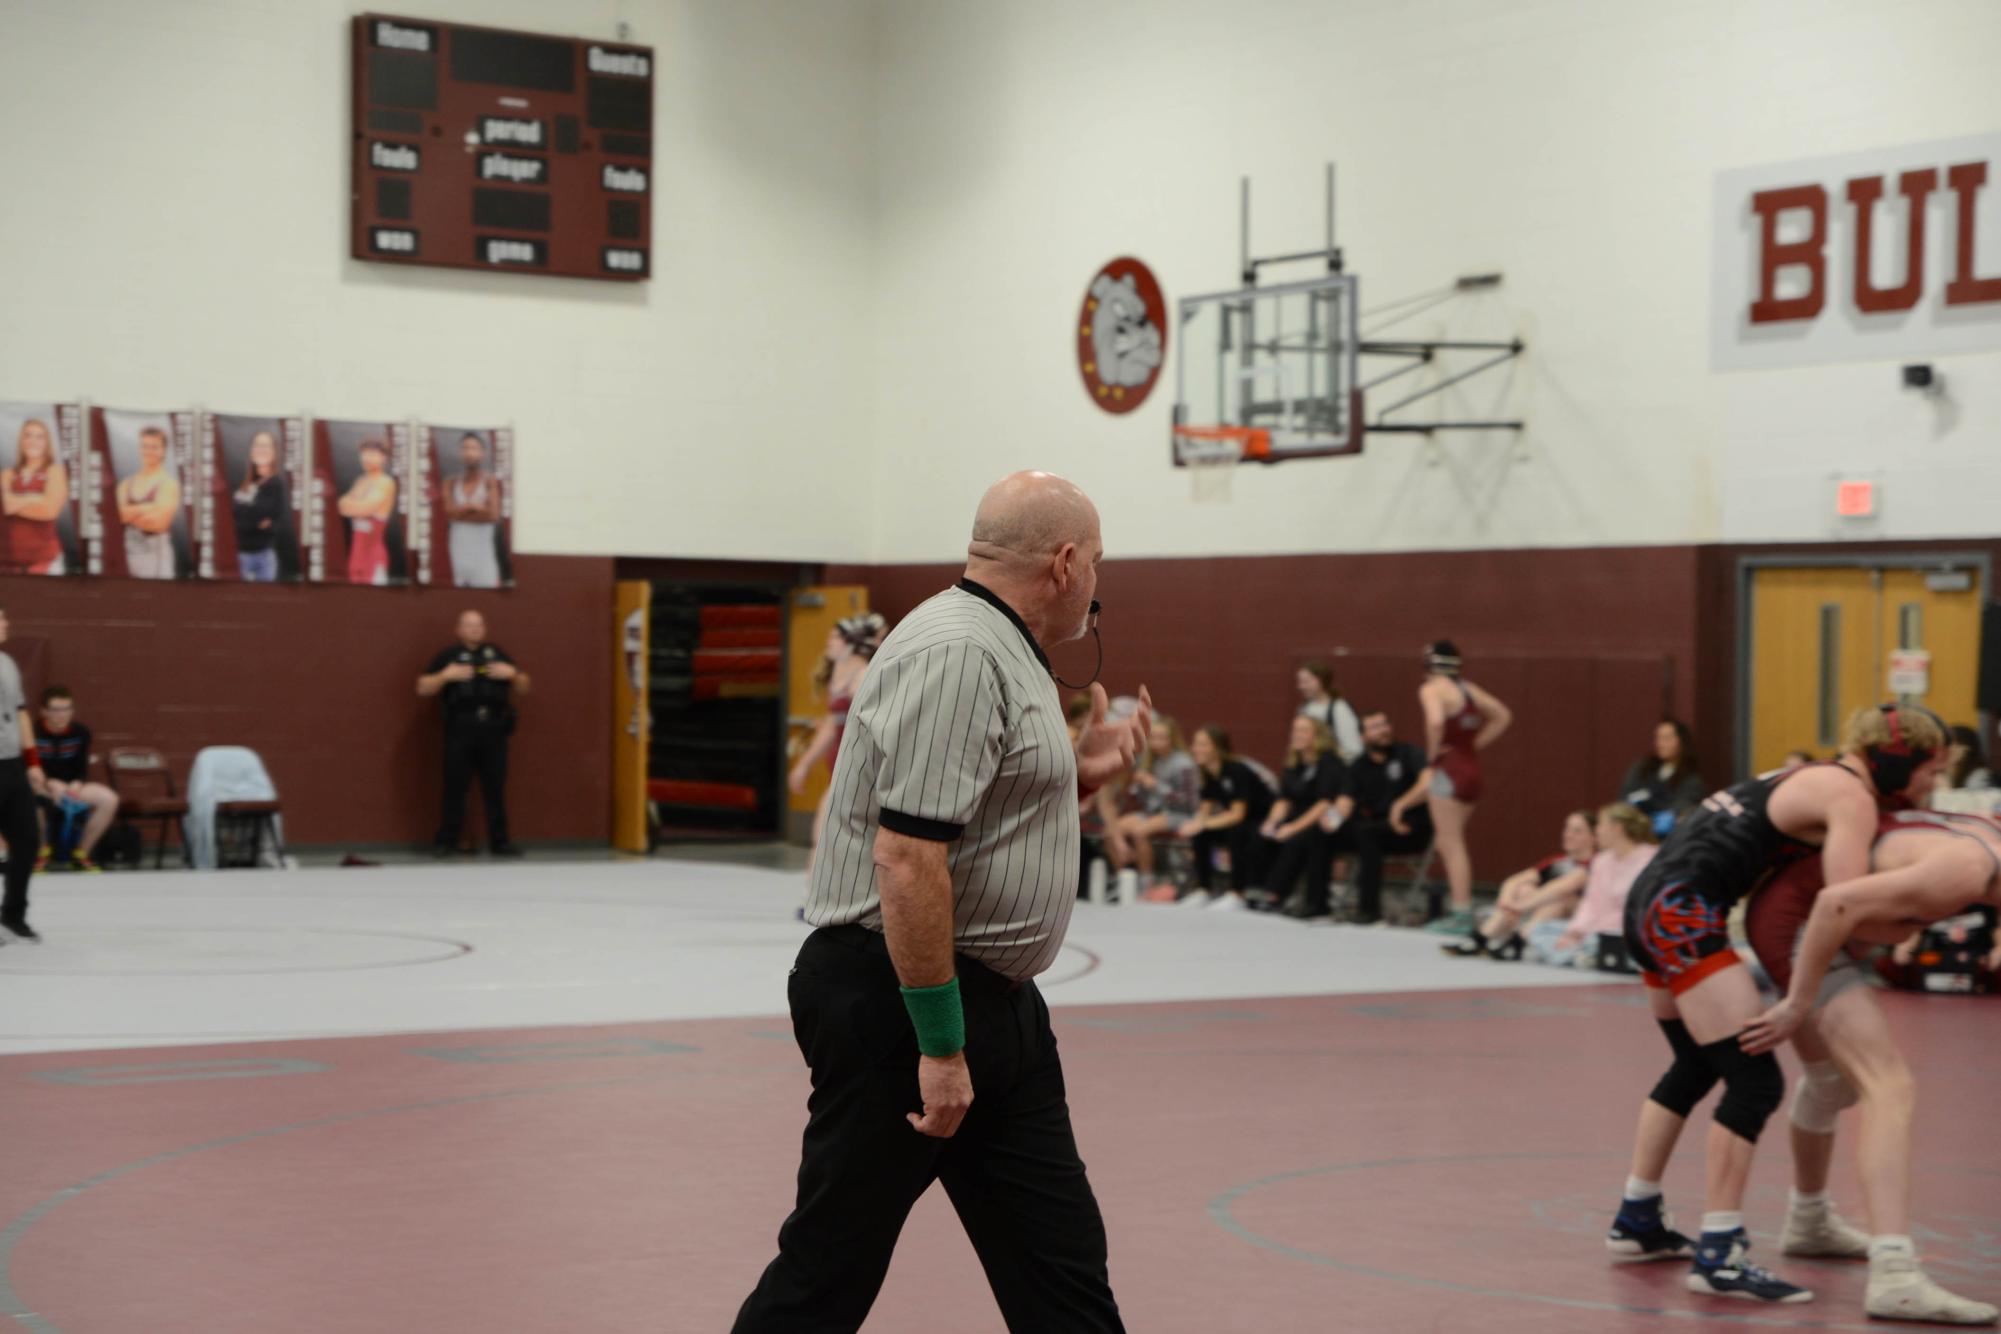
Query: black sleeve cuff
x=916, y=826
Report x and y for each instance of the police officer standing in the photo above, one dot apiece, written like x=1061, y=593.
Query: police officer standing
x=476, y=682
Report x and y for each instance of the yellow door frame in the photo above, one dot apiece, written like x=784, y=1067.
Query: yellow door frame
x=1976, y=563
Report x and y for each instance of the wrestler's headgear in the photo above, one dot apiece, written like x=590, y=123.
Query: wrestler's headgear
x=863, y=633
x=1893, y=762
x=1442, y=656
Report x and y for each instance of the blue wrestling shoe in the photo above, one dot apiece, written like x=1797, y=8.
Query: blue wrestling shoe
x=1641, y=1232
x=1735, y=1276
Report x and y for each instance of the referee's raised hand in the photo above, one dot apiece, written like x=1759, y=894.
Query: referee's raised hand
x=1106, y=749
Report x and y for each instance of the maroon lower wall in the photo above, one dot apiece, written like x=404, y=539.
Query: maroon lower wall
x=1588, y=647
x=320, y=681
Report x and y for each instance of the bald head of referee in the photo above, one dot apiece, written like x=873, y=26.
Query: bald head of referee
x=1036, y=544
x=942, y=886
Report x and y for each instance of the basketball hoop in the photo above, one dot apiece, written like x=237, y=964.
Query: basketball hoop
x=1211, y=454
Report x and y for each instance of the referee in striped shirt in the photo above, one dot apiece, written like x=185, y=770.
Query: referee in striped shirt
x=943, y=884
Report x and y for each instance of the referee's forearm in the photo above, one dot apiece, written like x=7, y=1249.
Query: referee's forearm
x=915, y=884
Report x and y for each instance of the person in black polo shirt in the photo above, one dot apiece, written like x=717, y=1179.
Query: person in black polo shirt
x=1234, y=803
x=1388, y=816
x=1314, y=780
x=477, y=683
x=64, y=744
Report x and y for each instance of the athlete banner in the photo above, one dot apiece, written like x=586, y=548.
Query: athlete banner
x=461, y=526
x=253, y=482
x=358, y=514
x=41, y=453
x=139, y=485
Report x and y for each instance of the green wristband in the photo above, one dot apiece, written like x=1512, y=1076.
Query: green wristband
x=938, y=1017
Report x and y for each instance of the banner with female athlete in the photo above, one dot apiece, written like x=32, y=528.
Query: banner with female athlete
x=359, y=510
x=139, y=487
x=461, y=530
x=41, y=452
x=251, y=475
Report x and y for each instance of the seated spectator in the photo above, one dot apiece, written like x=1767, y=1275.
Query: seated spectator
x=1966, y=769
x=1076, y=713
x=1163, y=794
x=1664, y=782
x=1234, y=801
x=1550, y=889
x=1626, y=843
x=64, y=745
x=1385, y=814
x=1321, y=702
x=1314, y=779
x=1900, y=966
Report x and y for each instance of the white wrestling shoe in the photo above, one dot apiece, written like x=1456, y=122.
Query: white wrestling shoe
x=1818, y=1230
x=1899, y=1290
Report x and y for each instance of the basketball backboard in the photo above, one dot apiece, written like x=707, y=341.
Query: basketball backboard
x=1276, y=363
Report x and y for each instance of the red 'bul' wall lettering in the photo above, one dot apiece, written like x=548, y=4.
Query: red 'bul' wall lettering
x=1863, y=193
x=1886, y=254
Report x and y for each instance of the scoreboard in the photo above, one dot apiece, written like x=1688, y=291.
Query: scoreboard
x=483, y=148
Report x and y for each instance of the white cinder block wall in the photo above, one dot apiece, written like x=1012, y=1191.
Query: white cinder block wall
x=175, y=232
x=1571, y=144
x=875, y=219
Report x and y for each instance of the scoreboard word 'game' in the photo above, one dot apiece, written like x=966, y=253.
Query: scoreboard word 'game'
x=481, y=148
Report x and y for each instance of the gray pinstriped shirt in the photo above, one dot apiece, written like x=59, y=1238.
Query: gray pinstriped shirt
x=957, y=734
x=13, y=699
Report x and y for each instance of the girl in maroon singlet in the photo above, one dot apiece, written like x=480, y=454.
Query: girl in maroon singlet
x=32, y=495
x=1460, y=720
x=850, y=645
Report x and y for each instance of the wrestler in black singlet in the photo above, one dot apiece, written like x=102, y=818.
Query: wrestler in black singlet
x=1717, y=854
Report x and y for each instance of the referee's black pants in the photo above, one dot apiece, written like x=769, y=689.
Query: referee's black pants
x=1011, y=1171
x=23, y=833
x=475, y=746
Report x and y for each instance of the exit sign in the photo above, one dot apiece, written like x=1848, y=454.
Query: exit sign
x=1855, y=500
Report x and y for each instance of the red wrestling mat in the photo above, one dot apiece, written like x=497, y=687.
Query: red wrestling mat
x=1408, y=1162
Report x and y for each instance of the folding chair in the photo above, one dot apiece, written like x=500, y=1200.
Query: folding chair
x=146, y=791
x=241, y=828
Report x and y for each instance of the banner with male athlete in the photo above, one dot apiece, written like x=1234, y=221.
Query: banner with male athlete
x=357, y=517
x=41, y=453
x=139, y=494
x=462, y=527
x=253, y=482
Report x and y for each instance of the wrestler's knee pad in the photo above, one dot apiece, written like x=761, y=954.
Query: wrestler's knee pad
x=1753, y=1087
x=1688, y=1081
x=1820, y=1095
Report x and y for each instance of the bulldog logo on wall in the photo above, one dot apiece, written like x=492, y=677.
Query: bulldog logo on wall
x=1122, y=335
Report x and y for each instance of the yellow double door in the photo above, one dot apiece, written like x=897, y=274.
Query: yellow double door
x=1821, y=640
